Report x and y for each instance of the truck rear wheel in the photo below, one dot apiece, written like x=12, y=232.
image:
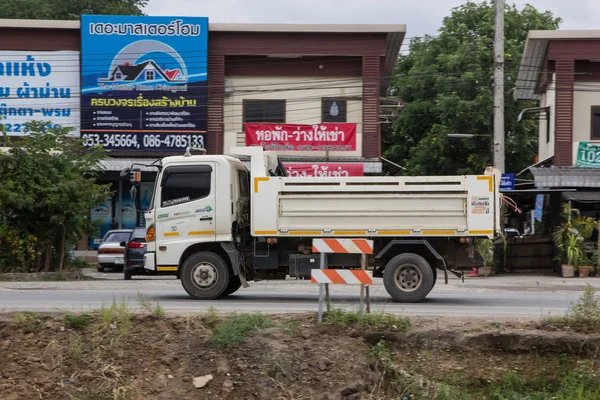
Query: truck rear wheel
x=408, y=278
x=205, y=276
x=234, y=285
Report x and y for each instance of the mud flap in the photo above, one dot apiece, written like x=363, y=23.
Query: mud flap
x=236, y=261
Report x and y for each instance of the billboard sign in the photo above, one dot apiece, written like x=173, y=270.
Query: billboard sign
x=324, y=169
x=144, y=82
x=288, y=137
x=39, y=86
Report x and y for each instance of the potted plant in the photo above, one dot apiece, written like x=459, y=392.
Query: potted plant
x=571, y=253
x=485, y=248
x=584, y=266
x=569, y=238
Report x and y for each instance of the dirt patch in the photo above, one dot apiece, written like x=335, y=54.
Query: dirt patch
x=120, y=356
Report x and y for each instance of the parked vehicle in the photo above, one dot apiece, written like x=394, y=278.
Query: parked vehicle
x=218, y=224
x=135, y=248
x=111, y=253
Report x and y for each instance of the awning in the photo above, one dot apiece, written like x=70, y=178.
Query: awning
x=582, y=197
x=571, y=177
x=119, y=164
x=537, y=164
x=536, y=191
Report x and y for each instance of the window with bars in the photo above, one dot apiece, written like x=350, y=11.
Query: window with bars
x=264, y=111
x=595, y=131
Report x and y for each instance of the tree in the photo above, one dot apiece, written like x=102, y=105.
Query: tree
x=48, y=188
x=68, y=9
x=447, y=85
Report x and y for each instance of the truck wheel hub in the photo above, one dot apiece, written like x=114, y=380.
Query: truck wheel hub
x=408, y=277
x=204, y=275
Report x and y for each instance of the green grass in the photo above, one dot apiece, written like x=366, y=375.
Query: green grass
x=29, y=322
x=577, y=384
x=155, y=310
x=235, y=329
x=116, y=316
x=77, y=321
x=377, y=320
x=583, y=316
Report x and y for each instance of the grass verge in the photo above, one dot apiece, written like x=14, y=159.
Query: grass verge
x=583, y=316
x=378, y=320
x=236, y=328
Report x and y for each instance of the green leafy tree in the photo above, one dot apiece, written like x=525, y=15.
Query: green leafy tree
x=447, y=85
x=48, y=188
x=68, y=9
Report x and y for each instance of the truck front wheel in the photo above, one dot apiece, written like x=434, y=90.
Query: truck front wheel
x=205, y=276
x=408, y=278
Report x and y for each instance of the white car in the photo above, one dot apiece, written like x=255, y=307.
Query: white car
x=111, y=253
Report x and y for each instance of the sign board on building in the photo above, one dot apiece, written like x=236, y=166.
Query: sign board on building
x=324, y=169
x=144, y=82
x=39, y=86
x=507, y=182
x=288, y=137
x=588, y=155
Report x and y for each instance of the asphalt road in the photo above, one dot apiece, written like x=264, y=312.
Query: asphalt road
x=456, y=299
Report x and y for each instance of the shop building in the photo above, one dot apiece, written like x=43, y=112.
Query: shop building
x=561, y=69
x=292, y=83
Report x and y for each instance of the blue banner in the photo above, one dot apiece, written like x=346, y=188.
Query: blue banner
x=144, y=82
x=507, y=182
x=539, y=207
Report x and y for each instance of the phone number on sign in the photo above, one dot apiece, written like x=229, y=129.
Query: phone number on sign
x=142, y=141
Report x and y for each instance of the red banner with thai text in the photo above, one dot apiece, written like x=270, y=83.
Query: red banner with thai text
x=288, y=137
x=324, y=169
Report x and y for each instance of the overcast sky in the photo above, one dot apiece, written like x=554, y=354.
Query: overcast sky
x=420, y=16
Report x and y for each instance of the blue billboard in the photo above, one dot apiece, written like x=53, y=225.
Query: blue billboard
x=144, y=82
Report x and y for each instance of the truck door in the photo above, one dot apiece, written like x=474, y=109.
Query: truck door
x=185, y=212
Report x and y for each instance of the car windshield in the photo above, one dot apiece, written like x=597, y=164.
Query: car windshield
x=139, y=234
x=117, y=237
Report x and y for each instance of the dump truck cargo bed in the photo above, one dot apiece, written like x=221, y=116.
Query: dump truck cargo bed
x=375, y=206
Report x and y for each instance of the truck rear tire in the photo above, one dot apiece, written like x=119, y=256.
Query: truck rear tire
x=234, y=285
x=408, y=278
x=205, y=276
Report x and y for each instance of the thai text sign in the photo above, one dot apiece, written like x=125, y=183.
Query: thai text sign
x=288, y=137
x=588, y=155
x=144, y=81
x=324, y=169
x=39, y=86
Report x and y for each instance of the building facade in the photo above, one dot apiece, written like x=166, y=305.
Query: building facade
x=561, y=69
x=274, y=77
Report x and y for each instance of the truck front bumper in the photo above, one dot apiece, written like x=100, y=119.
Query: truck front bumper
x=149, y=261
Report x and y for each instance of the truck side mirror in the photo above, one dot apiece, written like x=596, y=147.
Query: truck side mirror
x=135, y=177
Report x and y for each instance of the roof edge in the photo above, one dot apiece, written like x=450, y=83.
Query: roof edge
x=558, y=34
x=220, y=27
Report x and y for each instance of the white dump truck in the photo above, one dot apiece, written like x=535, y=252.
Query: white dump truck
x=218, y=224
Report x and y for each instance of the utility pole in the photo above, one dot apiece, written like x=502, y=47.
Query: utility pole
x=499, y=87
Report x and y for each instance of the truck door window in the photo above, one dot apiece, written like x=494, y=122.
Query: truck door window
x=183, y=184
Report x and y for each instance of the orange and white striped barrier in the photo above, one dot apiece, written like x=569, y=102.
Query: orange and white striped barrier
x=340, y=276
x=353, y=246
x=326, y=276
